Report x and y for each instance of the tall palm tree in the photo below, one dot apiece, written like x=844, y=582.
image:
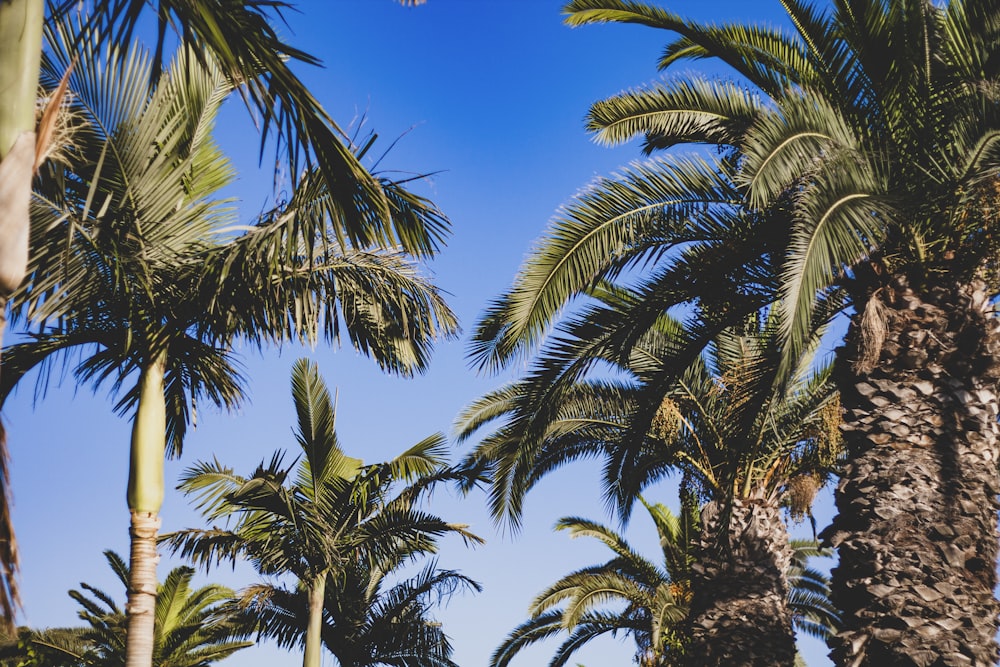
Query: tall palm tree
x=744, y=427
x=240, y=37
x=876, y=123
x=194, y=626
x=139, y=267
x=654, y=599
x=336, y=519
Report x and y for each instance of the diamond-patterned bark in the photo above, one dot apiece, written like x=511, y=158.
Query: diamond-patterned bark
x=917, y=525
x=739, y=611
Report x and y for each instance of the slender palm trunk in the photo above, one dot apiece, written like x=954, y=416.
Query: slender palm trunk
x=314, y=631
x=739, y=608
x=145, y=496
x=917, y=525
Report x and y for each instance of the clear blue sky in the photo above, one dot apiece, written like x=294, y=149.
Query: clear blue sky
x=491, y=94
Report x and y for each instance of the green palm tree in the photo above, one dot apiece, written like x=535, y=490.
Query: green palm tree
x=743, y=427
x=634, y=596
x=194, y=626
x=140, y=268
x=873, y=125
x=369, y=617
x=335, y=519
x=628, y=594
x=30, y=648
x=240, y=37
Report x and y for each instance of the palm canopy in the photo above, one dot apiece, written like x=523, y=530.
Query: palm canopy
x=737, y=421
x=195, y=627
x=243, y=38
x=325, y=520
x=876, y=120
x=677, y=226
x=135, y=253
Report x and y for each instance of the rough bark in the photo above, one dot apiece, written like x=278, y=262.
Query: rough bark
x=739, y=610
x=141, y=607
x=145, y=496
x=916, y=529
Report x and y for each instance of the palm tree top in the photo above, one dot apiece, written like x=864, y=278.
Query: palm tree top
x=243, y=38
x=136, y=253
x=875, y=119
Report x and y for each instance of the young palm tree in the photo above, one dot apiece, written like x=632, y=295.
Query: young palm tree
x=240, y=37
x=194, y=627
x=744, y=427
x=367, y=620
x=654, y=599
x=876, y=123
x=335, y=520
x=138, y=267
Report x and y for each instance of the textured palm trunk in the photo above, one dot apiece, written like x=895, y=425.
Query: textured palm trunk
x=314, y=631
x=739, y=608
x=917, y=525
x=145, y=496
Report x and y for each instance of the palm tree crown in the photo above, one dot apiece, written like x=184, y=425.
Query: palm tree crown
x=337, y=526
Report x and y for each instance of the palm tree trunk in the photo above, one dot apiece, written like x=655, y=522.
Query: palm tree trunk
x=20, y=54
x=739, y=608
x=145, y=496
x=314, y=631
x=917, y=525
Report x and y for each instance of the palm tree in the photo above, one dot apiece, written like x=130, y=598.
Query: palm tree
x=876, y=123
x=655, y=599
x=139, y=268
x=367, y=621
x=743, y=427
x=30, y=648
x=336, y=520
x=194, y=626
x=240, y=37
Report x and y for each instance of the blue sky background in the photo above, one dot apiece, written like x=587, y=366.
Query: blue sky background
x=491, y=94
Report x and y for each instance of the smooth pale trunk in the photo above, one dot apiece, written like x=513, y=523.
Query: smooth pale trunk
x=145, y=496
x=314, y=631
x=20, y=53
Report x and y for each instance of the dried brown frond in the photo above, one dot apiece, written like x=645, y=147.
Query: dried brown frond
x=56, y=125
x=873, y=330
x=10, y=597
